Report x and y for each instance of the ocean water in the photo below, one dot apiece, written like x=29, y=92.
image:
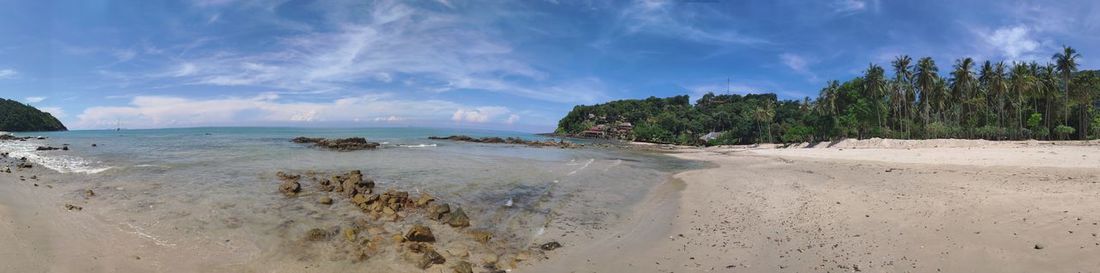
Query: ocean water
x=215, y=188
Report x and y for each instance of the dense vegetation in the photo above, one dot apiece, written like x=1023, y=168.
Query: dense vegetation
x=989, y=100
x=18, y=117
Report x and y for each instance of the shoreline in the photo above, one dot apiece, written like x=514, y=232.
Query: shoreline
x=1006, y=208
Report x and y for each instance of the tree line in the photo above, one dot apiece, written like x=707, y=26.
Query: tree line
x=972, y=100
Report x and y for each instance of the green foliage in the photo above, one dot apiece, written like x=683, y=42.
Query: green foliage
x=972, y=99
x=1064, y=132
x=18, y=117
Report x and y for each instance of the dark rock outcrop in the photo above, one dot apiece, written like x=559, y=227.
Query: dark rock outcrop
x=338, y=144
x=420, y=233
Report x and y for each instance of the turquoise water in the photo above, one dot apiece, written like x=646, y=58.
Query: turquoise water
x=204, y=186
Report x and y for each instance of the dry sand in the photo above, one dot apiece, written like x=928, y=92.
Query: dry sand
x=898, y=206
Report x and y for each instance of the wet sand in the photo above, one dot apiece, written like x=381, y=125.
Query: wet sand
x=898, y=209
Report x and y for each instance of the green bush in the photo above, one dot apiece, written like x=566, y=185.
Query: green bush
x=1064, y=132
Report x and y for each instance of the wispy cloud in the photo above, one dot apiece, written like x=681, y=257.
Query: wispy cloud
x=670, y=19
x=35, y=99
x=172, y=111
x=481, y=114
x=57, y=112
x=849, y=6
x=8, y=73
x=798, y=64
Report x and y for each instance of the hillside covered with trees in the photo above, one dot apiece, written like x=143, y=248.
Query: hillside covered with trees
x=19, y=117
x=987, y=100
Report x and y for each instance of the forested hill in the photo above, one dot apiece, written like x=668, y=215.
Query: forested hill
x=970, y=100
x=18, y=117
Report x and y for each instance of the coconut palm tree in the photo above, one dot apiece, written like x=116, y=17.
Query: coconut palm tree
x=927, y=76
x=903, y=89
x=962, y=85
x=1021, y=83
x=998, y=91
x=874, y=88
x=765, y=114
x=1066, y=63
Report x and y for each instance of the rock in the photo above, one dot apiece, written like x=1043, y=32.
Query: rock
x=550, y=246
x=437, y=211
x=458, y=218
x=458, y=251
x=350, y=233
x=89, y=193
x=424, y=200
x=338, y=144
x=481, y=236
x=420, y=233
x=325, y=200
x=463, y=267
x=359, y=199
x=73, y=207
x=325, y=185
x=425, y=259
x=1039, y=246
x=316, y=235
x=286, y=176
x=93, y=145
x=290, y=187
x=397, y=238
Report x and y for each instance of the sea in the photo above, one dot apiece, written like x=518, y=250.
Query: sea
x=216, y=188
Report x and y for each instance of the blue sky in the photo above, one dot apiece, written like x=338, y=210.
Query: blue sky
x=511, y=65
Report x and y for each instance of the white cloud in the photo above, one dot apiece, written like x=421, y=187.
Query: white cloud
x=57, y=112
x=849, y=6
x=34, y=99
x=8, y=73
x=798, y=64
x=168, y=111
x=1013, y=42
x=427, y=49
x=668, y=18
x=479, y=115
x=512, y=119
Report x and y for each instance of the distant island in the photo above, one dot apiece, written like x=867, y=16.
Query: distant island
x=991, y=100
x=19, y=117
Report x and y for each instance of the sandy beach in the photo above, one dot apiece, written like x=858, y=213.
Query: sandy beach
x=933, y=206
x=858, y=206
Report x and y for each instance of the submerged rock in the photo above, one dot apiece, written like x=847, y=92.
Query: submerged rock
x=420, y=233
x=550, y=246
x=290, y=188
x=509, y=140
x=458, y=218
x=325, y=200
x=316, y=235
x=481, y=236
x=463, y=267
x=437, y=211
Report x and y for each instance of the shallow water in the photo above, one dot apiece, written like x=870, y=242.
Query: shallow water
x=214, y=189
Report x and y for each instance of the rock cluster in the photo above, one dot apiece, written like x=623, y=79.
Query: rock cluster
x=415, y=240
x=338, y=144
x=509, y=140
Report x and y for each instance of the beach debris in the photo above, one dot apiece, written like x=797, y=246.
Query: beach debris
x=509, y=140
x=73, y=207
x=463, y=267
x=338, y=144
x=550, y=246
x=420, y=233
x=458, y=218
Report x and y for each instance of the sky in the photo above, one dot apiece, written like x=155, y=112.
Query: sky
x=505, y=65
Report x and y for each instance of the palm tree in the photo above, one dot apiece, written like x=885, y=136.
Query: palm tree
x=962, y=85
x=1021, y=84
x=1066, y=63
x=766, y=114
x=998, y=90
x=927, y=76
x=903, y=85
x=874, y=87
